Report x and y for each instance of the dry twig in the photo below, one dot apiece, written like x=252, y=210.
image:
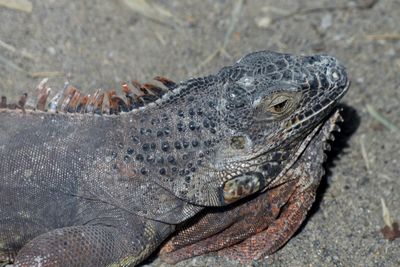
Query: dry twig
x=154, y=12
x=221, y=49
x=19, y=5
x=364, y=153
x=381, y=119
x=391, y=229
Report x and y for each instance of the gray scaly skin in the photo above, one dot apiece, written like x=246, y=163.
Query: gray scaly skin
x=88, y=190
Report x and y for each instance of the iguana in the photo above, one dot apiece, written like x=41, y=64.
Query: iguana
x=229, y=162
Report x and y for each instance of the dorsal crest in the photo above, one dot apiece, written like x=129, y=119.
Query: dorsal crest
x=72, y=100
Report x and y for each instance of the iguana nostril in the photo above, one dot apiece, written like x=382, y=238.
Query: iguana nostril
x=335, y=75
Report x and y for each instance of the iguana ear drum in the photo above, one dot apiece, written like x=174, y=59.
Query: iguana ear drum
x=242, y=186
x=238, y=142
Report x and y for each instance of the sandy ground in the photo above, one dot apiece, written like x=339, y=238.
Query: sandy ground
x=96, y=44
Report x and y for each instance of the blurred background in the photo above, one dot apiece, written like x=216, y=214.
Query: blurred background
x=97, y=44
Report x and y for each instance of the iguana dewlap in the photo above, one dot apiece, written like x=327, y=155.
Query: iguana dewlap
x=229, y=162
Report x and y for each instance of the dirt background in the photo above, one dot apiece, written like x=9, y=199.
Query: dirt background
x=97, y=44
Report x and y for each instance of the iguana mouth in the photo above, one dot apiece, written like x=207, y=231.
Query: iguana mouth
x=328, y=126
x=247, y=183
x=327, y=106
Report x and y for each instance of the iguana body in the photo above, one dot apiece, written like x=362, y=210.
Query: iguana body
x=88, y=190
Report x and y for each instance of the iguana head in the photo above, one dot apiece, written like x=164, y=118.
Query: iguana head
x=271, y=102
x=223, y=137
x=270, y=99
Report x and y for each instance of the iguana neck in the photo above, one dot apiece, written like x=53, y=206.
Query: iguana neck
x=169, y=139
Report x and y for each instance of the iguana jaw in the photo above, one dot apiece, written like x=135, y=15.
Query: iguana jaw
x=243, y=185
x=328, y=127
x=253, y=163
x=325, y=108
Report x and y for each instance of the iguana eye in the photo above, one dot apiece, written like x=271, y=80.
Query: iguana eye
x=280, y=105
x=276, y=106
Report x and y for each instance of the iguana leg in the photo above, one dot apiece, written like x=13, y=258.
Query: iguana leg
x=277, y=233
x=255, y=216
x=96, y=245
